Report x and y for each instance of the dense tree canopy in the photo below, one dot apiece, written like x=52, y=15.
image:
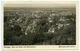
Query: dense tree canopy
x=39, y=28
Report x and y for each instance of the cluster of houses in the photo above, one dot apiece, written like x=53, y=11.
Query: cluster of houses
x=37, y=15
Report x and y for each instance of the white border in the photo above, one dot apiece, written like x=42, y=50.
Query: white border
x=37, y=0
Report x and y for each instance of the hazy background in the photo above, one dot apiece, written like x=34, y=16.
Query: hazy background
x=42, y=5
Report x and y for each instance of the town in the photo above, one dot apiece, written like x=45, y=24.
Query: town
x=34, y=26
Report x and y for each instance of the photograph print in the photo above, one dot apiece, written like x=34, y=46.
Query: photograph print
x=39, y=24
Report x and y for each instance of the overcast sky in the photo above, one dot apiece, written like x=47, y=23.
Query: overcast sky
x=41, y=5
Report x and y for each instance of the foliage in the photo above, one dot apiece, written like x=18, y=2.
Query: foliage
x=39, y=33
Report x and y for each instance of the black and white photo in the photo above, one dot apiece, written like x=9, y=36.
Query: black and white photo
x=39, y=24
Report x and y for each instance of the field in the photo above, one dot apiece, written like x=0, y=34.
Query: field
x=39, y=26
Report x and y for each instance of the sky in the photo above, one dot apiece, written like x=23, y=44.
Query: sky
x=41, y=5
